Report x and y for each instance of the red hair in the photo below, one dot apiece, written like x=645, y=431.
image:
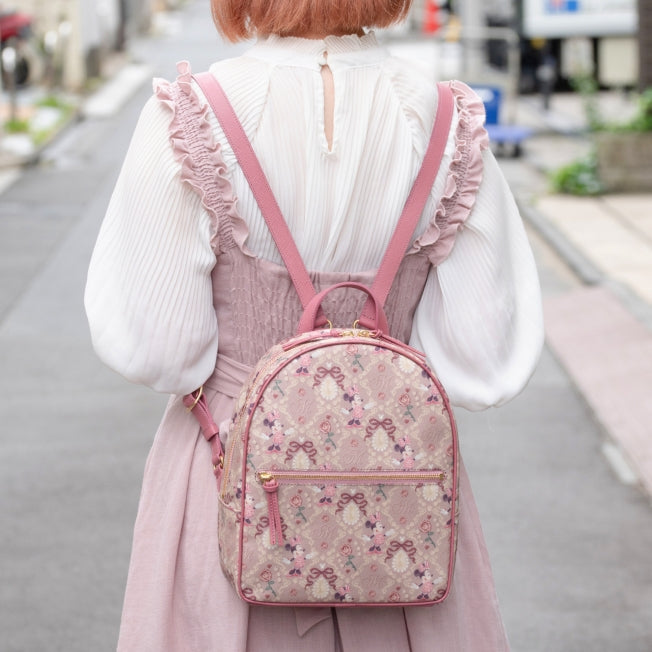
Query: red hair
x=239, y=20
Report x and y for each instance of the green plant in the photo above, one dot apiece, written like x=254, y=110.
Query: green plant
x=16, y=126
x=642, y=121
x=53, y=102
x=587, y=87
x=578, y=178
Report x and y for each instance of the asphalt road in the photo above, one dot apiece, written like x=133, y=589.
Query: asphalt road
x=569, y=543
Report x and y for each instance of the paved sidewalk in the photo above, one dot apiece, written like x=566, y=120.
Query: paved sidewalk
x=602, y=331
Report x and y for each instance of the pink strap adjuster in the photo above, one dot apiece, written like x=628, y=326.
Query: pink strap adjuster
x=196, y=403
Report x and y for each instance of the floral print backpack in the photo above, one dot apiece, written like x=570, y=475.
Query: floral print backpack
x=338, y=483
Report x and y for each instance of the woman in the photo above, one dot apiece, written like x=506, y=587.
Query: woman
x=185, y=273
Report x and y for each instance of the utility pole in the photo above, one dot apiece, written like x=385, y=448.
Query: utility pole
x=473, y=28
x=644, y=44
x=123, y=17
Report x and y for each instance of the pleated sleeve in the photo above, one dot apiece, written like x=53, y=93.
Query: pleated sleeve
x=480, y=318
x=148, y=295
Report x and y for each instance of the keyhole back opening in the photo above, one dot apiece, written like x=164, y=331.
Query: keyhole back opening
x=329, y=103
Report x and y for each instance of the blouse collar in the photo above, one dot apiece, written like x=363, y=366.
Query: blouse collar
x=351, y=50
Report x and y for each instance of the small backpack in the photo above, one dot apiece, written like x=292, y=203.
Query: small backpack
x=338, y=482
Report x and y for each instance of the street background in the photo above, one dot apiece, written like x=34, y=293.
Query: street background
x=561, y=474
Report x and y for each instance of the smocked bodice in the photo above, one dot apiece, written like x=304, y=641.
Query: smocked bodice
x=257, y=305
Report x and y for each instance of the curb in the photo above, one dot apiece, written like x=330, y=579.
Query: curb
x=580, y=264
x=10, y=161
x=112, y=95
x=116, y=91
x=619, y=450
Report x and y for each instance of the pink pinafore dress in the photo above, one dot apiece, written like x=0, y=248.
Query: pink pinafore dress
x=177, y=598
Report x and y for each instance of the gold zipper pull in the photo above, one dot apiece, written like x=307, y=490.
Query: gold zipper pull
x=265, y=477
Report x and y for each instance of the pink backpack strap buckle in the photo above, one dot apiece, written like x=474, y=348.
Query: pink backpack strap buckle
x=195, y=402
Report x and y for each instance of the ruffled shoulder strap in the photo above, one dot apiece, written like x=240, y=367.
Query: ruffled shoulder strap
x=464, y=176
x=197, y=151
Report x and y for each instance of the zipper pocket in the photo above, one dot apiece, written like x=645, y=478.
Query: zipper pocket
x=273, y=479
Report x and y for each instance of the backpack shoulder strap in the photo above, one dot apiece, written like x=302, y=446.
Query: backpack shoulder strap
x=272, y=214
x=259, y=185
x=415, y=202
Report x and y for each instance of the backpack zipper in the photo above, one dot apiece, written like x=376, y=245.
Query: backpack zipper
x=271, y=480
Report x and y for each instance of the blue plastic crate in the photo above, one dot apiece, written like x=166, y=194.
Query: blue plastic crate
x=491, y=97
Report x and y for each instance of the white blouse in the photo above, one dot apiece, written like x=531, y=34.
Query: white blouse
x=148, y=295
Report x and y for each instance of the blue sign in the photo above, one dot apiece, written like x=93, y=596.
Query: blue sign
x=562, y=6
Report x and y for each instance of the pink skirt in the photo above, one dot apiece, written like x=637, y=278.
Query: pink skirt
x=178, y=600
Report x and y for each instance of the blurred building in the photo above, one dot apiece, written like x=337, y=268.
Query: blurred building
x=76, y=36
x=559, y=40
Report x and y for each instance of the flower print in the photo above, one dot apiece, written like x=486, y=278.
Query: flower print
x=277, y=388
x=352, y=351
x=405, y=364
x=406, y=402
x=426, y=528
x=296, y=501
x=430, y=492
x=325, y=428
x=347, y=551
x=394, y=596
x=266, y=575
